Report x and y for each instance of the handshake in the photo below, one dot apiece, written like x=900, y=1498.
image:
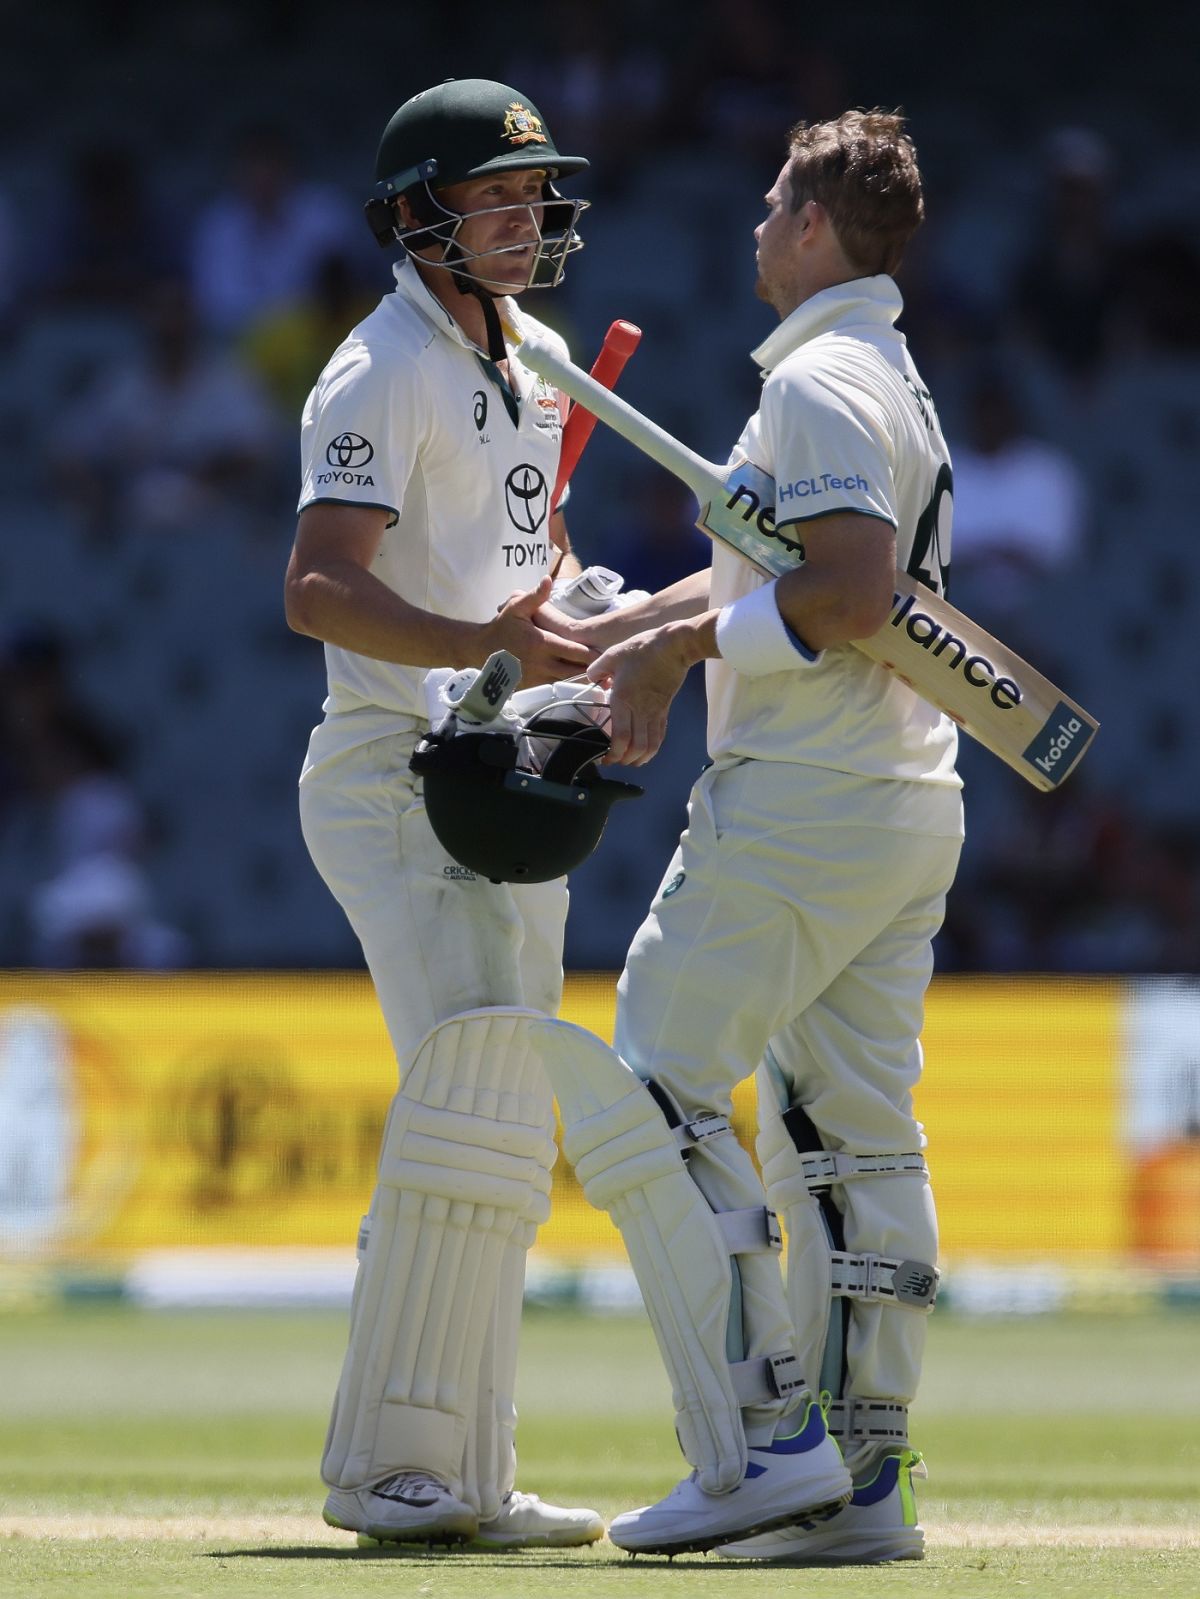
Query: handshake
x=593, y=592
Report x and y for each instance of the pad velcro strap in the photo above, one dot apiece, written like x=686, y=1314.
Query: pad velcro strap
x=866, y=1419
x=754, y=1231
x=689, y=1135
x=758, y=1382
x=877, y=1277
x=824, y=1167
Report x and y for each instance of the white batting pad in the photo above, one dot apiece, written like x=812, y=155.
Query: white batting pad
x=885, y=1274
x=490, y=1460
x=630, y=1164
x=465, y=1169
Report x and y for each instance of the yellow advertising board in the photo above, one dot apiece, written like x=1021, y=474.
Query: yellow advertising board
x=170, y=1111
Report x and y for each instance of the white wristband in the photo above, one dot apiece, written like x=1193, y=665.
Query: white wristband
x=755, y=639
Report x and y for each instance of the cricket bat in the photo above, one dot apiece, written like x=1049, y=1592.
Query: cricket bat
x=991, y=693
x=621, y=340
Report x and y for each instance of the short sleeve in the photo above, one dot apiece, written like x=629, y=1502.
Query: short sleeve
x=361, y=430
x=827, y=446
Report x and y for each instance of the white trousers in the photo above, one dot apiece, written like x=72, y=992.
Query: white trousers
x=798, y=912
x=437, y=939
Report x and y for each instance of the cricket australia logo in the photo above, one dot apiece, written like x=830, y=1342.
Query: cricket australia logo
x=548, y=417
x=521, y=126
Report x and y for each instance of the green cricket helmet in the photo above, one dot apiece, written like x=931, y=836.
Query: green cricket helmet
x=462, y=129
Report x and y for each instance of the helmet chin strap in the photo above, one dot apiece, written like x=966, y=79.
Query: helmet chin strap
x=491, y=317
x=426, y=208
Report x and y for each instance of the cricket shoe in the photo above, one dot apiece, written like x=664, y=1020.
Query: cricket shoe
x=525, y=1522
x=407, y=1507
x=800, y=1478
x=878, y=1525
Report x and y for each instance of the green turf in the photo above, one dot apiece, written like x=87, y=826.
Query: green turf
x=1046, y=1422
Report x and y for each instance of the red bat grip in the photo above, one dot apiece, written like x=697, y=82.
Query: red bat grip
x=621, y=340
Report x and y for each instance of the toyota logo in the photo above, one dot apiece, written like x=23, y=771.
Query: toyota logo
x=527, y=498
x=349, y=449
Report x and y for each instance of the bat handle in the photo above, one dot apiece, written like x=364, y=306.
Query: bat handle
x=621, y=340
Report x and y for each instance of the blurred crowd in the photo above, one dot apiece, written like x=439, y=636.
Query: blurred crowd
x=162, y=337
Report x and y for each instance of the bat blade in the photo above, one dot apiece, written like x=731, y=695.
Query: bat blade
x=1002, y=701
x=942, y=655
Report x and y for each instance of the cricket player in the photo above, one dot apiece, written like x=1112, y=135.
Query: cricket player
x=792, y=931
x=426, y=540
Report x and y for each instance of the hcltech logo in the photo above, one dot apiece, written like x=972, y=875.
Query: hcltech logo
x=804, y=487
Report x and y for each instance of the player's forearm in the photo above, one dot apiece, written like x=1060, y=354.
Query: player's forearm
x=823, y=610
x=342, y=604
x=677, y=602
x=844, y=589
x=815, y=607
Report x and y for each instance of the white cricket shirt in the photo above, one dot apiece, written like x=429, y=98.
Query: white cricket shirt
x=845, y=424
x=406, y=416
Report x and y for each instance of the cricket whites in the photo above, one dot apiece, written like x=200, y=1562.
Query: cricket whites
x=990, y=692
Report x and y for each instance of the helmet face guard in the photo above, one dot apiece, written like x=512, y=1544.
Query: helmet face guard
x=555, y=235
x=464, y=129
x=521, y=805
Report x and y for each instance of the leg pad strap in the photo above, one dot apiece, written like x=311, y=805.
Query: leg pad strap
x=854, y=1421
x=751, y=1232
x=876, y=1277
x=822, y=1168
x=757, y=1382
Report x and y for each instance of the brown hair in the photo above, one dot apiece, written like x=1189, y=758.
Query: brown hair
x=863, y=169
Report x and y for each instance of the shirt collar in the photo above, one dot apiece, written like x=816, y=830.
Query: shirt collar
x=874, y=301
x=411, y=286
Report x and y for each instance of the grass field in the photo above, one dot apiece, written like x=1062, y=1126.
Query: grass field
x=175, y=1454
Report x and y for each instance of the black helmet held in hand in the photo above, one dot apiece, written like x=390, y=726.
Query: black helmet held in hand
x=519, y=806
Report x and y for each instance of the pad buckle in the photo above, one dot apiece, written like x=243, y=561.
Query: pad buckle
x=753, y=1231
x=876, y=1277
x=915, y=1283
x=785, y=1374
x=691, y=1135
x=758, y=1382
